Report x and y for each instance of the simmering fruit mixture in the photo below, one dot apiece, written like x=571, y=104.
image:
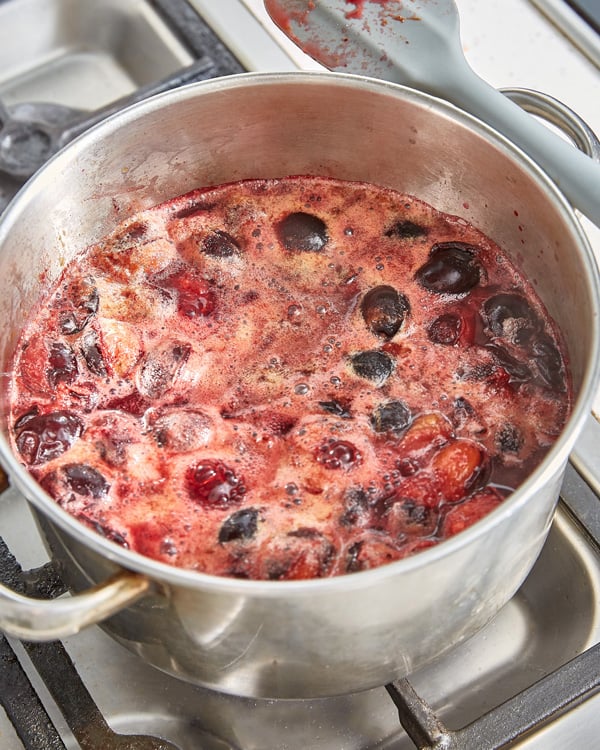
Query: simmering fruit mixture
x=284, y=379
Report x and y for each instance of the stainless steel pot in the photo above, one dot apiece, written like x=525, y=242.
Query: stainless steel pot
x=319, y=637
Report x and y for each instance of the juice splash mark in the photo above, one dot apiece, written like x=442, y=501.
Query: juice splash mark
x=359, y=6
x=337, y=34
x=285, y=13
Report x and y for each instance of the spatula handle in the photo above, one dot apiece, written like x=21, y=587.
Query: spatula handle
x=575, y=173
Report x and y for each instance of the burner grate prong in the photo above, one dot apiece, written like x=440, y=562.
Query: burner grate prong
x=418, y=718
x=23, y=706
x=55, y=667
x=501, y=727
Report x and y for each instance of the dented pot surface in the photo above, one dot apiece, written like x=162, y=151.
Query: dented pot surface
x=323, y=637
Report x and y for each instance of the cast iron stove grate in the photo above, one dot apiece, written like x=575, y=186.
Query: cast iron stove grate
x=198, y=37
x=501, y=727
x=22, y=704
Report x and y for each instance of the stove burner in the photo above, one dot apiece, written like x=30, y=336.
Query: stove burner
x=197, y=35
x=17, y=695
x=30, y=133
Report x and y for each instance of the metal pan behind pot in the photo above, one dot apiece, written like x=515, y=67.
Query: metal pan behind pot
x=318, y=637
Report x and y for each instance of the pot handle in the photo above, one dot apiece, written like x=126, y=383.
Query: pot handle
x=47, y=620
x=30, y=619
x=558, y=114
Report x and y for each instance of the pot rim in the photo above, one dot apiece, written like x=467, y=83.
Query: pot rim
x=550, y=466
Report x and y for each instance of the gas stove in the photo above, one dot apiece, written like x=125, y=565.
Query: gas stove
x=530, y=678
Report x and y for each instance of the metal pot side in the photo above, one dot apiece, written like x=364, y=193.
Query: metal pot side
x=326, y=637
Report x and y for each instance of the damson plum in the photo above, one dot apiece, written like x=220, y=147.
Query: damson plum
x=106, y=531
x=62, y=364
x=463, y=409
x=32, y=366
x=85, y=480
x=378, y=549
x=427, y=431
x=298, y=555
x=464, y=413
x=372, y=365
x=391, y=416
x=383, y=310
x=212, y=484
x=336, y=408
x=79, y=303
x=133, y=403
x=510, y=315
x=47, y=436
x=240, y=525
x=419, y=487
x=79, y=478
x=90, y=348
x=196, y=206
x=465, y=514
x=407, y=518
x=509, y=439
x=445, y=329
x=356, y=507
x=337, y=454
x=183, y=430
x=452, y=268
x=220, y=244
x=302, y=232
x=518, y=371
x=549, y=362
x=112, y=434
x=24, y=418
x=460, y=467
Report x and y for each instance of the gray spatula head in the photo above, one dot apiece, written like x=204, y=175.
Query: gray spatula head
x=417, y=43
x=399, y=41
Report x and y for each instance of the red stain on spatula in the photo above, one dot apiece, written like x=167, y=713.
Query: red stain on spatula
x=291, y=16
